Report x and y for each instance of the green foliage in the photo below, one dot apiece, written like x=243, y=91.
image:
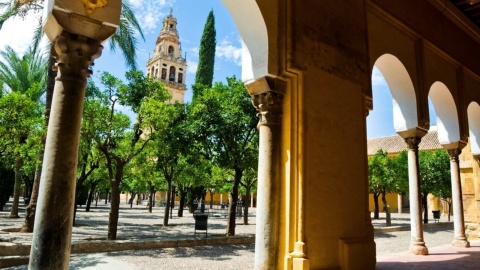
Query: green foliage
x=19, y=117
x=124, y=38
x=381, y=173
x=206, y=56
x=25, y=74
x=139, y=88
x=435, y=174
x=224, y=122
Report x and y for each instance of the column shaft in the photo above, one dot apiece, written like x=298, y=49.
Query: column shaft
x=458, y=221
x=53, y=222
x=417, y=244
x=266, y=240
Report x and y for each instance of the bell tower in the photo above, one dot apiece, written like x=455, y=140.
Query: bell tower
x=167, y=63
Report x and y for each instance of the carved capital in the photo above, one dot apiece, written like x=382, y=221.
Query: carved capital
x=368, y=105
x=413, y=142
x=269, y=107
x=75, y=54
x=454, y=153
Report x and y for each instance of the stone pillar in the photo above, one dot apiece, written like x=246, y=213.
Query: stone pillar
x=53, y=222
x=400, y=203
x=269, y=106
x=417, y=244
x=458, y=221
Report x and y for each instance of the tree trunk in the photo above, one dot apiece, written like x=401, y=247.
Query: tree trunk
x=376, y=210
x=386, y=207
x=114, y=209
x=181, y=205
x=202, y=203
x=97, y=195
x=106, y=197
x=425, y=209
x=167, y=205
x=17, y=188
x=245, y=206
x=131, y=199
x=211, y=199
x=32, y=205
x=90, y=196
x=233, y=203
x=150, y=199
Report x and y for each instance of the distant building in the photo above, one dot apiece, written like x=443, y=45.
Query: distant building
x=167, y=63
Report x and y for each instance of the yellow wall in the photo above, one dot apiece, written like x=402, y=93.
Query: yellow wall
x=392, y=199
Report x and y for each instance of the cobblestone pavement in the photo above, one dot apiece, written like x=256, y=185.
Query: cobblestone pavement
x=137, y=224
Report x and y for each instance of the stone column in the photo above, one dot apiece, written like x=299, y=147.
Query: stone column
x=459, y=239
x=417, y=244
x=269, y=106
x=400, y=203
x=53, y=222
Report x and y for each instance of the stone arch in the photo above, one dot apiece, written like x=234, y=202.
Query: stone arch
x=402, y=90
x=473, y=111
x=447, y=114
x=253, y=31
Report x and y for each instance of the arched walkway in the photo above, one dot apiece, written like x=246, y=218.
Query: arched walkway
x=446, y=111
x=403, y=92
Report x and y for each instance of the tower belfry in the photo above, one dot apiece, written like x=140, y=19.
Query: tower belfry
x=167, y=63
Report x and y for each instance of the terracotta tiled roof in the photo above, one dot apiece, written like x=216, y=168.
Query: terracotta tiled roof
x=396, y=144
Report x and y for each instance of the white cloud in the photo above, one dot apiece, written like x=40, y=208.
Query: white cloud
x=227, y=51
x=18, y=33
x=192, y=67
x=377, y=78
x=149, y=13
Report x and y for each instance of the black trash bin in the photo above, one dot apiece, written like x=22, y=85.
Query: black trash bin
x=436, y=215
x=201, y=222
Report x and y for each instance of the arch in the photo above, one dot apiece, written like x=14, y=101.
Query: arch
x=170, y=50
x=402, y=90
x=447, y=115
x=473, y=112
x=253, y=31
x=171, y=75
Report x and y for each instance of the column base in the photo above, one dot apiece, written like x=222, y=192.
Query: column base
x=418, y=248
x=301, y=264
x=460, y=242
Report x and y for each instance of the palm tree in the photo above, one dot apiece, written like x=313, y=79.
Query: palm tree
x=124, y=38
x=25, y=75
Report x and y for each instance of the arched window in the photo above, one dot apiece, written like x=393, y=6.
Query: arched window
x=180, y=77
x=171, y=76
x=170, y=50
x=164, y=73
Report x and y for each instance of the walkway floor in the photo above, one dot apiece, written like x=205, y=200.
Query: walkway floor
x=138, y=225
x=440, y=258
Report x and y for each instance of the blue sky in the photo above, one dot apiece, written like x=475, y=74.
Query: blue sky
x=191, y=17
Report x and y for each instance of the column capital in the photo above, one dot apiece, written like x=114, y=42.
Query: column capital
x=368, y=105
x=266, y=84
x=75, y=54
x=454, y=153
x=413, y=142
x=269, y=107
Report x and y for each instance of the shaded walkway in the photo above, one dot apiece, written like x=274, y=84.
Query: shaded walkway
x=440, y=258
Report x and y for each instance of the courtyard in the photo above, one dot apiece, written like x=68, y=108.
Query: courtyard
x=143, y=243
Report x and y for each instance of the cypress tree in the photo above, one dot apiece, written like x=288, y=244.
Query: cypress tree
x=206, y=56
